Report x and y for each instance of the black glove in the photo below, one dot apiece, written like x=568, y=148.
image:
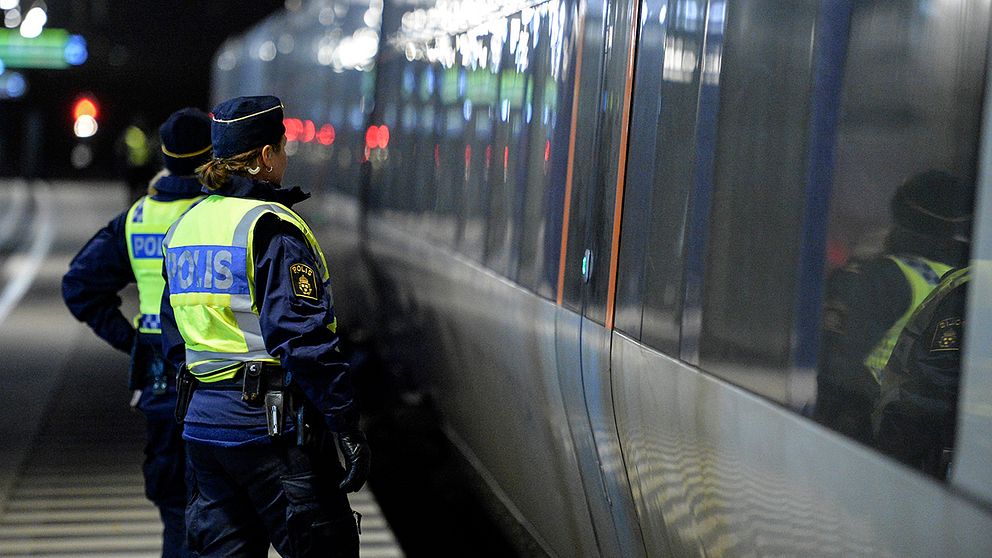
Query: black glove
x=357, y=456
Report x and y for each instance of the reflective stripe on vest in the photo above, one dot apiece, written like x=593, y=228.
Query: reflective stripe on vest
x=144, y=229
x=211, y=272
x=923, y=276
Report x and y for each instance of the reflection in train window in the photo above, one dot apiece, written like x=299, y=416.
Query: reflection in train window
x=431, y=116
x=751, y=266
x=538, y=111
x=477, y=108
x=900, y=216
x=449, y=125
x=500, y=201
x=659, y=174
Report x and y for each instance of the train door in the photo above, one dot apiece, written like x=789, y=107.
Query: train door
x=669, y=161
x=600, y=108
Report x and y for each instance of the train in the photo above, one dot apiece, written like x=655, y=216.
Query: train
x=597, y=234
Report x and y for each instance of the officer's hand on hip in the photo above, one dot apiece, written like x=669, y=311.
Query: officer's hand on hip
x=357, y=457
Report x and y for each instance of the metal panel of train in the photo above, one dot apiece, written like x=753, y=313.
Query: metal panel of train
x=599, y=234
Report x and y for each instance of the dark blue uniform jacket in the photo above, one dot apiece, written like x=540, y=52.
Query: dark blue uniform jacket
x=102, y=269
x=293, y=328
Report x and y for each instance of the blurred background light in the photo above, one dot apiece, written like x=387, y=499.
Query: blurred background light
x=12, y=85
x=84, y=107
x=12, y=18
x=34, y=22
x=52, y=49
x=267, y=51
x=326, y=134
x=81, y=156
x=75, y=50
x=85, y=126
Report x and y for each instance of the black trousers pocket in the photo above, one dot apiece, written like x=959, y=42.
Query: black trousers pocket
x=318, y=519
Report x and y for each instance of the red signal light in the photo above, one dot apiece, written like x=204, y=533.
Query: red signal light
x=294, y=128
x=84, y=106
x=84, y=113
x=308, y=132
x=377, y=136
x=325, y=135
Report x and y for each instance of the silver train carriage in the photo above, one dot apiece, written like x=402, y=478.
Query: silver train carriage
x=599, y=233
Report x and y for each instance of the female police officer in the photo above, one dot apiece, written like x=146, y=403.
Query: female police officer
x=128, y=250
x=248, y=308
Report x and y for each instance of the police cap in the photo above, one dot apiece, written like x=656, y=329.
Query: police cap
x=185, y=141
x=245, y=123
x=935, y=204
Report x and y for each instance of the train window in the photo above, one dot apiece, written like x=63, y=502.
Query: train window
x=450, y=123
x=501, y=179
x=540, y=105
x=751, y=269
x=430, y=120
x=900, y=213
x=659, y=172
x=451, y=181
x=849, y=183
x=393, y=192
x=477, y=107
x=402, y=187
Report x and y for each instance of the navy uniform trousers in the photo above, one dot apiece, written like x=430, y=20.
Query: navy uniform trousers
x=245, y=496
x=164, y=467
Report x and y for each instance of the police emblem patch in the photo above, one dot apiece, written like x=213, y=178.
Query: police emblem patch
x=947, y=336
x=304, y=281
x=835, y=317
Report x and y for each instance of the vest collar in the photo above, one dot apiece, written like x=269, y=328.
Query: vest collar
x=171, y=188
x=243, y=187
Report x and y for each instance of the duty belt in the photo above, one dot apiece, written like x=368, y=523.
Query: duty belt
x=253, y=379
x=261, y=384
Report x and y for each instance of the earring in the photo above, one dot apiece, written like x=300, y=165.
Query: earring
x=253, y=171
x=268, y=169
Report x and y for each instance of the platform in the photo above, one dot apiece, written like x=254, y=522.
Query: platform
x=70, y=470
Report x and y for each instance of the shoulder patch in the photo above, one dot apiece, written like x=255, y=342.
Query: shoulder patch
x=304, y=281
x=835, y=317
x=947, y=335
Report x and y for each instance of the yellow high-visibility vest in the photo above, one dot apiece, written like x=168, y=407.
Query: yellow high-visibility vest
x=211, y=272
x=923, y=277
x=144, y=229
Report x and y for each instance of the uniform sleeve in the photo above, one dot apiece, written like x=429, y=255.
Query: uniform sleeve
x=96, y=275
x=915, y=417
x=296, y=315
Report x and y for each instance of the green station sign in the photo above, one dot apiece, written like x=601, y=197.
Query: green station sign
x=53, y=49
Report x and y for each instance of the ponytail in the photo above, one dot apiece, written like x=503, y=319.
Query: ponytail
x=215, y=173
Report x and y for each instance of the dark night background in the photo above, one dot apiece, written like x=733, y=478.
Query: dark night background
x=147, y=58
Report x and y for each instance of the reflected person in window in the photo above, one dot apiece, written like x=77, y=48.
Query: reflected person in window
x=914, y=418
x=868, y=302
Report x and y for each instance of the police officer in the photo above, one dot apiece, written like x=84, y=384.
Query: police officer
x=129, y=250
x=914, y=419
x=869, y=301
x=248, y=307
